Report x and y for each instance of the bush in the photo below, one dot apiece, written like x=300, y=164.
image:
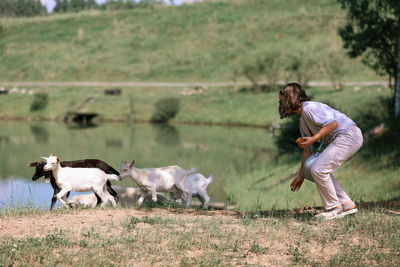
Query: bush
x=40, y=101
x=165, y=109
x=267, y=66
x=286, y=140
x=300, y=68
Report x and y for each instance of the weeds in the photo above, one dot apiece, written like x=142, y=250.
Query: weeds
x=132, y=221
x=256, y=248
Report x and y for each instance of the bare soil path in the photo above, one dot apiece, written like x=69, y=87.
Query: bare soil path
x=41, y=224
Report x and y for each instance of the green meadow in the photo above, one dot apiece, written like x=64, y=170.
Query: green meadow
x=199, y=42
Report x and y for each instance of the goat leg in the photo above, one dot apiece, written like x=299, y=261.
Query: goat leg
x=99, y=201
x=112, y=191
x=61, y=194
x=154, y=196
x=141, y=198
x=56, y=190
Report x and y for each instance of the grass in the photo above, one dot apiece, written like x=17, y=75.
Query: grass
x=199, y=42
x=369, y=238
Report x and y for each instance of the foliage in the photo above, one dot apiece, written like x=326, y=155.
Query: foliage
x=286, y=140
x=300, y=67
x=381, y=148
x=21, y=8
x=39, y=102
x=266, y=67
x=334, y=67
x=370, y=31
x=373, y=30
x=165, y=109
x=65, y=6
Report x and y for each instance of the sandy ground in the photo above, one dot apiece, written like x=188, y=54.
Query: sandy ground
x=76, y=220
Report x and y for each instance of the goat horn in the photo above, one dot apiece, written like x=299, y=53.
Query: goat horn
x=130, y=166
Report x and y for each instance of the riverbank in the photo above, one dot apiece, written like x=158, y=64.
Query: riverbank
x=211, y=106
x=187, y=237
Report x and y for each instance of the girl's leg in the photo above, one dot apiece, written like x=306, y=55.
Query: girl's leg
x=341, y=149
x=341, y=194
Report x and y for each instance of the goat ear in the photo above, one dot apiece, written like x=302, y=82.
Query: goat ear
x=133, y=162
x=34, y=164
x=58, y=159
x=45, y=158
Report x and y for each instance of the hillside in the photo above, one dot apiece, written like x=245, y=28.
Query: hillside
x=198, y=42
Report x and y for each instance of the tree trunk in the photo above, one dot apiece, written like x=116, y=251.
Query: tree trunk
x=397, y=82
x=256, y=86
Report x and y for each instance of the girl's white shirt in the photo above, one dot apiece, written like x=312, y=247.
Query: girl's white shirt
x=315, y=115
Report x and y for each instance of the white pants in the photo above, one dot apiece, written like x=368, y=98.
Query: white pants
x=335, y=154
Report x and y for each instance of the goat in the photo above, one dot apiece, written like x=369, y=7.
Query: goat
x=80, y=180
x=153, y=180
x=84, y=163
x=127, y=195
x=197, y=185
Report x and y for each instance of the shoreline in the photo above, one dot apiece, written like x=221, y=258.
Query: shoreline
x=270, y=128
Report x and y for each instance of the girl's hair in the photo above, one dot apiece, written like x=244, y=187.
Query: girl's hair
x=292, y=95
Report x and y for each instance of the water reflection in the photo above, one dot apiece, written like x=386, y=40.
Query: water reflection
x=17, y=192
x=77, y=125
x=40, y=134
x=166, y=134
x=114, y=143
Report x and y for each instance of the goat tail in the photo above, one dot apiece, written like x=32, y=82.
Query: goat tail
x=113, y=177
x=210, y=179
x=191, y=171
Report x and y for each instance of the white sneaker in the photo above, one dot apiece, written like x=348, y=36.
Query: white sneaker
x=349, y=208
x=334, y=213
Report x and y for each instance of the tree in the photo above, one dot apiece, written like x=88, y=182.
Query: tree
x=373, y=30
x=21, y=8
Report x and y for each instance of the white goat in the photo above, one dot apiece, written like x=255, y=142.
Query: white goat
x=197, y=185
x=126, y=195
x=153, y=180
x=80, y=180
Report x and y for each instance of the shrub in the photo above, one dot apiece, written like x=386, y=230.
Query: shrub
x=300, y=68
x=334, y=67
x=286, y=140
x=165, y=109
x=40, y=101
x=267, y=66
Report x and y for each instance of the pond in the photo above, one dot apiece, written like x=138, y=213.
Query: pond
x=221, y=151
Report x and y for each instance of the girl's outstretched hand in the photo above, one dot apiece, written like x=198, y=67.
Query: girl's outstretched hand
x=296, y=183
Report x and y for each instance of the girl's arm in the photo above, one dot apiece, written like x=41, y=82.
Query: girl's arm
x=298, y=181
x=327, y=129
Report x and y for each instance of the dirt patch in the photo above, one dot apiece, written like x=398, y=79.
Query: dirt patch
x=77, y=220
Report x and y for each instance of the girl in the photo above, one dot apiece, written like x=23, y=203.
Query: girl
x=319, y=121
